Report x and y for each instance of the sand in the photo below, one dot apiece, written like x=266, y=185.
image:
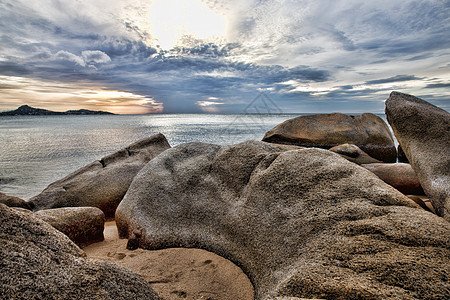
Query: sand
x=176, y=273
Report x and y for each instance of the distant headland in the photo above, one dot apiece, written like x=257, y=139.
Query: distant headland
x=26, y=110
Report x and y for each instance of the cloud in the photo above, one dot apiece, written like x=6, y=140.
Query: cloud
x=13, y=69
x=87, y=58
x=397, y=78
x=437, y=85
x=65, y=55
x=95, y=56
x=309, y=55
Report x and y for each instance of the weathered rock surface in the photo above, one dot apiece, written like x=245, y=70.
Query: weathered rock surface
x=354, y=154
x=12, y=201
x=302, y=223
x=83, y=225
x=367, y=131
x=423, y=131
x=103, y=183
x=39, y=262
x=399, y=175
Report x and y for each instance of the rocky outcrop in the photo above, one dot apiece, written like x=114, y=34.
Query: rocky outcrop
x=12, y=201
x=399, y=175
x=352, y=153
x=39, y=262
x=302, y=223
x=367, y=131
x=103, y=183
x=423, y=131
x=83, y=225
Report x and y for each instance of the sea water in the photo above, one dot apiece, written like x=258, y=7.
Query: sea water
x=38, y=150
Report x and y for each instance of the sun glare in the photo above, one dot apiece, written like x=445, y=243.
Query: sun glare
x=172, y=19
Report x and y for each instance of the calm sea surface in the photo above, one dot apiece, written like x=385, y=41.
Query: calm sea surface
x=38, y=150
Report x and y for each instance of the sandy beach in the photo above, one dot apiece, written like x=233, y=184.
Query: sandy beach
x=176, y=273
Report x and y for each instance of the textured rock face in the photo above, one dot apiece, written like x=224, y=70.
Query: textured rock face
x=366, y=131
x=39, y=262
x=12, y=201
x=103, y=183
x=399, y=175
x=83, y=225
x=423, y=131
x=302, y=223
x=352, y=153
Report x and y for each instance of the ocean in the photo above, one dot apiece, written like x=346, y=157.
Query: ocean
x=38, y=150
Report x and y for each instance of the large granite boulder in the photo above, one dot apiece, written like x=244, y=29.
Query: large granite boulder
x=83, y=225
x=39, y=262
x=399, y=175
x=12, y=201
x=367, y=131
x=300, y=223
x=423, y=131
x=103, y=183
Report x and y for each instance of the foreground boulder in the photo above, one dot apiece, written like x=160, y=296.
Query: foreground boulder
x=39, y=262
x=423, y=131
x=399, y=175
x=12, y=201
x=303, y=223
x=83, y=225
x=103, y=183
x=352, y=153
x=367, y=131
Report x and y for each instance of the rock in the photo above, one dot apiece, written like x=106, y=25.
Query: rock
x=423, y=131
x=424, y=203
x=399, y=175
x=303, y=223
x=12, y=201
x=352, y=153
x=83, y=225
x=103, y=183
x=367, y=131
x=39, y=262
x=401, y=156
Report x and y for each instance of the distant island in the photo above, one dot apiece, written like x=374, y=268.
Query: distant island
x=26, y=110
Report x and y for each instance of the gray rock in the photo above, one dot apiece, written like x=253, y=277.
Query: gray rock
x=39, y=262
x=367, y=131
x=103, y=183
x=303, y=223
x=423, y=131
x=83, y=225
x=352, y=153
x=399, y=175
x=12, y=201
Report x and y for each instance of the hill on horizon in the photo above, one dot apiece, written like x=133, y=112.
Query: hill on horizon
x=26, y=110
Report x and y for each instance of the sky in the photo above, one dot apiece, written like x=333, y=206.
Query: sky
x=218, y=56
